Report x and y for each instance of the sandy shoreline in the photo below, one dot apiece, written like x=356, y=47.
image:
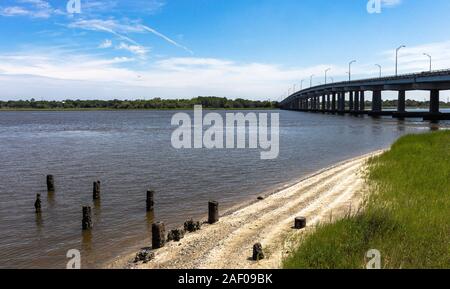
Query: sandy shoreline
x=321, y=197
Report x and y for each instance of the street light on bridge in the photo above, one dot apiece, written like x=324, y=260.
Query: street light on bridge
x=379, y=66
x=310, y=80
x=350, y=70
x=301, y=84
x=429, y=56
x=396, y=58
x=326, y=71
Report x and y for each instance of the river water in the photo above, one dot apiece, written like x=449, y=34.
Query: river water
x=130, y=151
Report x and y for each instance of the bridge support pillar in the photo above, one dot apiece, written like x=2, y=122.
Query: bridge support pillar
x=328, y=102
x=323, y=102
x=350, y=101
x=434, y=101
x=362, y=101
x=356, y=102
x=333, y=102
x=401, y=106
x=377, y=105
x=342, y=102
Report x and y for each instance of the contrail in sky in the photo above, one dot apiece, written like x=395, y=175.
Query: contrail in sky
x=151, y=30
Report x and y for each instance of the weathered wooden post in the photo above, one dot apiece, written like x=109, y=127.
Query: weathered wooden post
x=96, y=190
x=87, y=218
x=50, y=183
x=300, y=223
x=37, y=204
x=150, y=203
x=213, y=212
x=158, y=235
x=258, y=253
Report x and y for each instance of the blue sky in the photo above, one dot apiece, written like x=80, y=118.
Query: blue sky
x=255, y=49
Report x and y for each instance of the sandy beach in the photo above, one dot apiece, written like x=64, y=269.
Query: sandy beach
x=322, y=197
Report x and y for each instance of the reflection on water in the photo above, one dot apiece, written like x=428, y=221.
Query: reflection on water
x=129, y=152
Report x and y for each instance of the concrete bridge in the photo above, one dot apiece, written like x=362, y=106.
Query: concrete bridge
x=350, y=96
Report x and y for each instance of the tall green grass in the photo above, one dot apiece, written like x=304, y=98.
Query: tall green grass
x=406, y=217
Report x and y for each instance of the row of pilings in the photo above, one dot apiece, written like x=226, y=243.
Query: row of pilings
x=159, y=235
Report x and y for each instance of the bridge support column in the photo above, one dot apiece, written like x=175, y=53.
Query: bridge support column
x=317, y=103
x=401, y=106
x=356, y=102
x=333, y=102
x=342, y=102
x=434, y=101
x=328, y=102
x=350, y=101
x=377, y=105
x=362, y=101
x=323, y=102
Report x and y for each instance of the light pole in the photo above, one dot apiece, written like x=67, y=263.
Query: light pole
x=310, y=80
x=301, y=84
x=379, y=66
x=396, y=58
x=350, y=70
x=326, y=71
x=429, y=56
x=332, y=79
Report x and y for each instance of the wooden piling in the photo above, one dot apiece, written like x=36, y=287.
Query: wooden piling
x=258, y=253
x=158, y=235
x=87, y=218
x=37, y=204
x=50, y=183
x=96, y=190
x=213, y=212
x=300, y=223
x=150, y=202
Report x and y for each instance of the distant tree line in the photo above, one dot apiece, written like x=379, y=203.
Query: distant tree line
x=409, y=103
x=210, y=102
x=412, y=103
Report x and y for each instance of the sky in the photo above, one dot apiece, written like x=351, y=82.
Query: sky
x=255, y=49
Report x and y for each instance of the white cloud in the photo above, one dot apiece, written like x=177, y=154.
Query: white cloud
x=136, y=49
x=14, y=11
x=390, y=3
x=412, y=58
x=107, y=43
x=30, y=8
x=23, y=74
x=122, y=29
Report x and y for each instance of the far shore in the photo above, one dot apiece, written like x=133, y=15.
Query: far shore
x=140, y=109
x=324, y=196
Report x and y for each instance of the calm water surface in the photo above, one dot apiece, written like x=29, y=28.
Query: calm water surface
x=130, y=151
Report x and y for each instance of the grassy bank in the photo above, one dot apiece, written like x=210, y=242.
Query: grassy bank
x=407, y=216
